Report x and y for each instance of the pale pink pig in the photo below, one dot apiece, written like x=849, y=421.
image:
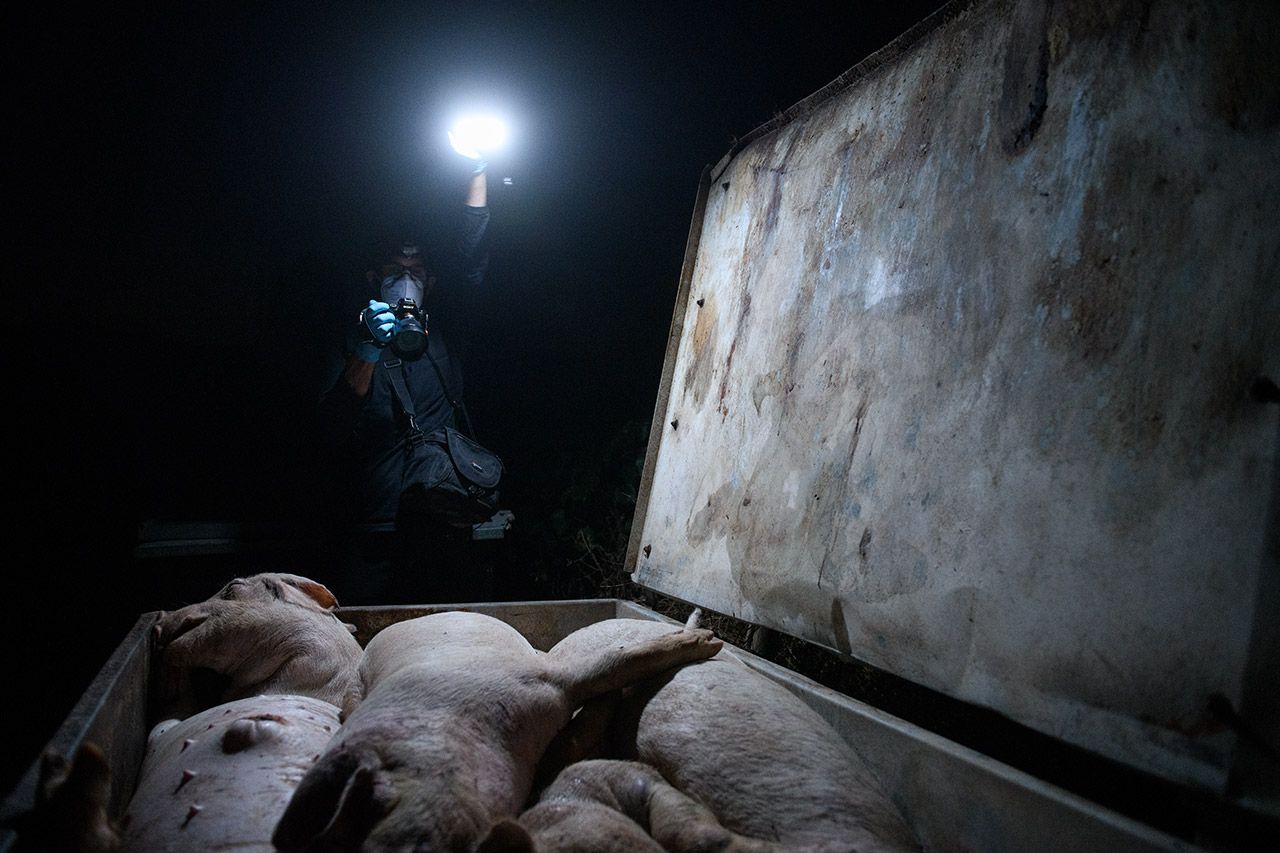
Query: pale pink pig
x=219, y=780
x=767, y=765
x=456, y=711
x=268, y=633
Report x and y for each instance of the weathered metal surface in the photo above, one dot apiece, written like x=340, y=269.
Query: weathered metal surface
x=972, y=376
x=957, y=799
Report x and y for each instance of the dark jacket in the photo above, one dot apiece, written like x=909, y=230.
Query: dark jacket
x=361, y=435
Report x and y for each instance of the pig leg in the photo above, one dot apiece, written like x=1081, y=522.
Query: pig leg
x=590, y=732
x=586, y=736
x=625, y=805
x=579, y=827
x=586, y=675
x=71, y=806
x=680, y=823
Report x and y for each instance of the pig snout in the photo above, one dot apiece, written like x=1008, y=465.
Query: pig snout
x=171, y=626
x=267, y=633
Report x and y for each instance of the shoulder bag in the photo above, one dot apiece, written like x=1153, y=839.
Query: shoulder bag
x=446, y=474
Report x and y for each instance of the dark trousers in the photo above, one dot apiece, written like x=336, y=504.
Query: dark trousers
x=411, y=564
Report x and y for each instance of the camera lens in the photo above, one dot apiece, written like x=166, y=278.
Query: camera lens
x=410, y=340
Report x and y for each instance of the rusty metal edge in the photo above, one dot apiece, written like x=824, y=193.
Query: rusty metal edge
x=864, y=68
x=674, y=336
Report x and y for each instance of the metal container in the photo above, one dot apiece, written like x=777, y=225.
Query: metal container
x=956, y=798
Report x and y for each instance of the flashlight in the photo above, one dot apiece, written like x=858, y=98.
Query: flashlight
x=474, y=136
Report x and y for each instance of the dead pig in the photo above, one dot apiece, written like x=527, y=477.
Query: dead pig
x=221, y=779
x=456, y=712
x=268, y=633
x=765, y=763
x=607, y=806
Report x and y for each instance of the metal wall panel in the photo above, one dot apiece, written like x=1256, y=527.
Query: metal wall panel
x=972, y=371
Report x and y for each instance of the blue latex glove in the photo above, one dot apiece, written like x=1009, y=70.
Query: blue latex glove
x=381, y=323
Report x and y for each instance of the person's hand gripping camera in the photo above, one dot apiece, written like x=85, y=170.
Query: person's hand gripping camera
x=403, y=327
x=379, y=326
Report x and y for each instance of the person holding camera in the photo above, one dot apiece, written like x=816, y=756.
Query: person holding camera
x=386, y=547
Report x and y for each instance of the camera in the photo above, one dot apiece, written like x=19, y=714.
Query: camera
x=410, y=339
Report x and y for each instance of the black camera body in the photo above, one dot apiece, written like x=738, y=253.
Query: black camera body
x=410, y=339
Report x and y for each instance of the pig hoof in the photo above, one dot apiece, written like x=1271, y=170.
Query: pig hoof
x=701, y=637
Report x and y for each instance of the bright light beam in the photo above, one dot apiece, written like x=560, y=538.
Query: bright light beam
x=476, y=135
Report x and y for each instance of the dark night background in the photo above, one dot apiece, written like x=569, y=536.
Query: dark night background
x=196, y=188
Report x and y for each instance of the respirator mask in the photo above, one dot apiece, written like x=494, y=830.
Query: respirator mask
x=402, y=286
x=404, y=292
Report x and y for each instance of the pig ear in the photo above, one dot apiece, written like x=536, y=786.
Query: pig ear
x=333, y=808
x=314, y=590
x=506, y=836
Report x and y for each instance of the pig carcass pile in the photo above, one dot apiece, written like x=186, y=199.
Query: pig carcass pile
x=451, y=732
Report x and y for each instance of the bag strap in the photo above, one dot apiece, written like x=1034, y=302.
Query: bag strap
x=395, y=371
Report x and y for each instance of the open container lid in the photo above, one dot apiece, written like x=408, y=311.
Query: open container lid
x=970, y=377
